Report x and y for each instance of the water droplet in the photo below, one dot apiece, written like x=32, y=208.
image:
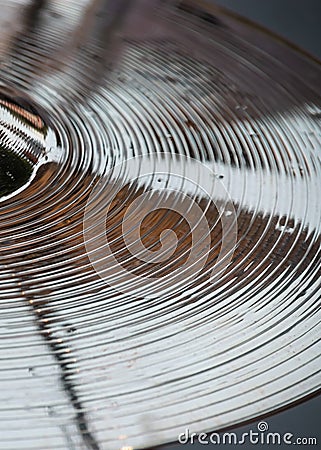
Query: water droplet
x=50, y=411
x=241, y=107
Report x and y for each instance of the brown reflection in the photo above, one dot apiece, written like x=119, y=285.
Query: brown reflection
x=261, y=243
x=61, y=245
x=77, y=48
x=33, y=119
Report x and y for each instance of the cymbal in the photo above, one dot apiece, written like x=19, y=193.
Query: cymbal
x=160, y=223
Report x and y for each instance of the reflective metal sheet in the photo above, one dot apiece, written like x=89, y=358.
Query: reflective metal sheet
x=160, y=259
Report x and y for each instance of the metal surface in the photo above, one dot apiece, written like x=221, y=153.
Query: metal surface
x=159, y=268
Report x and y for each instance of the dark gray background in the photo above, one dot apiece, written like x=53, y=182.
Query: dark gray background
x=297, y=20
x=300, y=22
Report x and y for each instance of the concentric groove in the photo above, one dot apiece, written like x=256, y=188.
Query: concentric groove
x=200, y=128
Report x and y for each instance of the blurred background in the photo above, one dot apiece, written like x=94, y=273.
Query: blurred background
x=299, y=22
x=296, y=20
